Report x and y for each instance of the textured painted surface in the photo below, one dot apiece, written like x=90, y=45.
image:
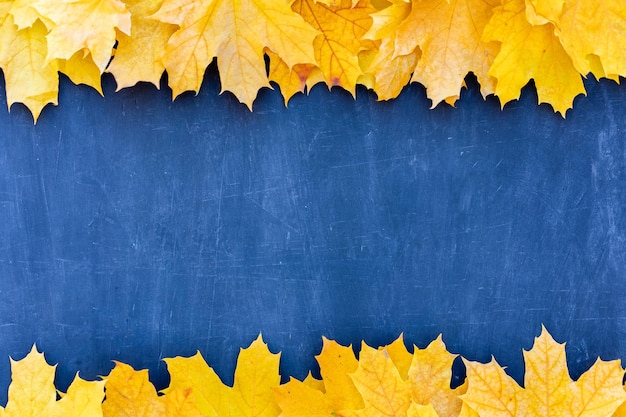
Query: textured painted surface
x=134, y=228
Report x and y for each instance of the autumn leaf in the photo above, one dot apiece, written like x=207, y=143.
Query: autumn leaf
x=589, y=30
x=129, y=393
x=307, y=399
x=548, y=389
x=32, y=392
x=28, y=78
x=81, y=69
x=448, y=34
x=252, y=393
x=379, y=382
x=139, y=55
x=530, y=52
x=236, y=32
x=337, y=47
x=85, y=25
x=293, y=80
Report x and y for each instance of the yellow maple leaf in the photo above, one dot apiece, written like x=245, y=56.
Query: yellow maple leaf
x=139, y=56
x=338, y=45
x=236, y=32
x=22, y=58
x=548, y=389
x=32, y=392
x=383, y=390
x=85, y=25
x=448, y=33
x=430, y=375
x=81, y=69
x=530, y=52
x=130, y=393
x=540, y=12
x=308, y=399
x=589, y=30
x=293, y=80
x=252, y=393
x=399, y=355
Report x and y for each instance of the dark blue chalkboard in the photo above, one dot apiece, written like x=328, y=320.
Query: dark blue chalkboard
x=136, y=228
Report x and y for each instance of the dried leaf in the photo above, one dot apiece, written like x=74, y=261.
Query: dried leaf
x=236, y=32
x=548, y=389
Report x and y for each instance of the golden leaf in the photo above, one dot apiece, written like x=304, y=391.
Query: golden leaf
x=338, y=45
x=589, y=30
x=22, y=58
x=139, y=56
x=236, y=32
x=129, y=393
x=85, y=25
x=81, y=69
x=379, y=382
x=399, y=355
x=179, y=403
x=430, y=376
x=548, y=389
x=293, y=80
x=252, y=393
x=448, y=33
x=32, y=392
x=530, y=52
x=307, y=399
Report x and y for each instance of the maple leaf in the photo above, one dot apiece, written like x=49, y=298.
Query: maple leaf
x=338, y=45
x=448, y=33
x=22, y=58
x=81, y=69
x=590, y=31
x=527, y=52
x=430, y=375
x=32, y=392
x=252, y=393
x=85, y=25
x=548, y=389
x=138, y=56
x=380, y=384
x=236, y=32
x=308, y=399
x=130, y=394
x=293, y=80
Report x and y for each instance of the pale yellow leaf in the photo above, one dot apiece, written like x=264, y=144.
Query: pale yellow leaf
x=237, y=33
x=85, y=25
x=28, y=78
x=430, y=376
x=81, y=69
x=83, y=399
x=139, y=56
x=530, y=52
x=383, y=389
x=594, y=28
x=548, y=389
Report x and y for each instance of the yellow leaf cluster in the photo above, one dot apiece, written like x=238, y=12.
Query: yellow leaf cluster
x=388, y=381
x=381, y=44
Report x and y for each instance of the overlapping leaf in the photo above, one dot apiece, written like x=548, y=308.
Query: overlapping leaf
x=548, y=389
x=381, y=44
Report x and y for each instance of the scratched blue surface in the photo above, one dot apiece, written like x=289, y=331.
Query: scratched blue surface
x=134, y=228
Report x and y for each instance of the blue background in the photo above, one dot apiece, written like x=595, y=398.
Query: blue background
x=137, y=228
